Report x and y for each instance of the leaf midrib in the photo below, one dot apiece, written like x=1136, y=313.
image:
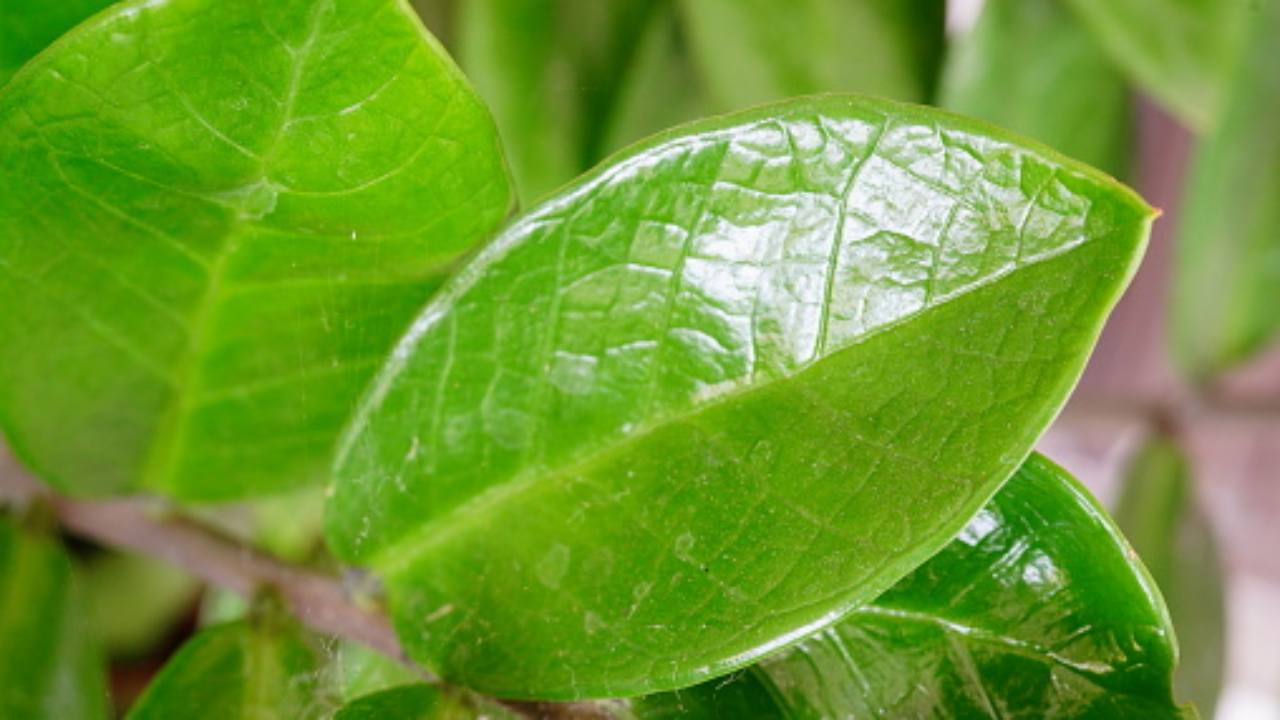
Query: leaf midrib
x=163, y=455
x=406, y=550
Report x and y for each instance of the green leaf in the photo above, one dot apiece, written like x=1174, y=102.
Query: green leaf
x=410, y=702
x=50, y=667
x=1179, y=51
x=1227, y=269
x=244, y=670
x=1036, y=609
x=755, y=51
x=218, y=215
x=422, y=702
x=1030, y=66
x=134, y=601
x=1158, y=513
x=29, y=26
x=823, y=330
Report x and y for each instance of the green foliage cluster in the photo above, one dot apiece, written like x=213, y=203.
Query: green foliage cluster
x=735, y=421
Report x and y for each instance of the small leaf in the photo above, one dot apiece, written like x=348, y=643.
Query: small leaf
x=50, y=666
x=29, y=26
x=756, y=51
x=1179, y=51
x=361, y=671
x=244, y=670
x=827, y=329
x=1030, y=66
x=1159, y=515
x=1036, y=609
x=422, y=702
x=217, y=217
x=1227, y=269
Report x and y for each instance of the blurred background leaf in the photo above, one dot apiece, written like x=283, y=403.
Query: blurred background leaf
x=1028, y=65
x=1157, y=511
x=1179, y=51
x=1226, y=300
x=50, y=665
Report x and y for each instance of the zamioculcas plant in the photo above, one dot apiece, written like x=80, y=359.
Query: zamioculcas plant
x=725, y=426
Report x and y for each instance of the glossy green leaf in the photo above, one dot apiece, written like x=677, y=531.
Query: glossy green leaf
x=134, y=601
x=217, y=216
x=1036, y=610
x=1030, y=66
x=824, y=330
x=1227, y=272
x=50, y=667
x=244, y=670
x=28, y=26
x=423, y=702
x=1179, y=51
x=1159, y=515
x=550, y=69
x=755, y=51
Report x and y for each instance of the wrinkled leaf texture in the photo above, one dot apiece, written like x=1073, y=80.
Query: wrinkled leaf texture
x=218, y=216
x=721, y=391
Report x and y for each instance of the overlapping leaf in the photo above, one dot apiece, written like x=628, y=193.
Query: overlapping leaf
x=1159, y=515
x=1227, y=274
x=1037, y=609
x=1030, y=66
x=50, y=667
x=714, y=395
x=217, y=216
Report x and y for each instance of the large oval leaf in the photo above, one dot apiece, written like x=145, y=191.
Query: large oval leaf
x=244, y=670
x=50, y=666
x=1227, y=274
x=1030, y=66
x=1158, y=513
x=217, y=217
x=1037, y=609
x=28, y=26
x=731, y=385
x=1180, y=51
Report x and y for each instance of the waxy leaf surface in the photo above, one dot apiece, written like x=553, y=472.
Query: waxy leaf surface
x=1179, y=51
x=721, y=391
x=243, y=670
x=1226, y=299
x=1030, y=66
x=1158, y=513
x=1037, y=609
x=50, y=666
x=755, y=51
x=217, y=217
x=28, y=26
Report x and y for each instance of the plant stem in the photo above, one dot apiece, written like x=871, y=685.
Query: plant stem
x=318, y=601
